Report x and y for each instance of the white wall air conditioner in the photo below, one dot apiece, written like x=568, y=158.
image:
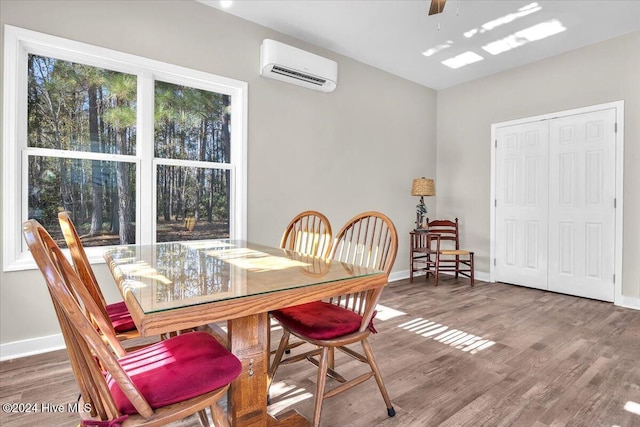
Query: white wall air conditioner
x=292, y=65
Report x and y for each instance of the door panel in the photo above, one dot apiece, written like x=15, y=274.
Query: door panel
x=581, y=204
x=521, y=214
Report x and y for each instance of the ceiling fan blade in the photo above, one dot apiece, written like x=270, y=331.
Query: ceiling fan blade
x=437, y=6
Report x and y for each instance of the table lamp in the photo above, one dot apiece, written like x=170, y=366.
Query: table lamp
x=422, y=187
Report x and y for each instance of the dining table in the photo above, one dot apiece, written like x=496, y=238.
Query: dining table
x=176, y=286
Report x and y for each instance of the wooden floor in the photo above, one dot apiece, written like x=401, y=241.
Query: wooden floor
x=494, y=355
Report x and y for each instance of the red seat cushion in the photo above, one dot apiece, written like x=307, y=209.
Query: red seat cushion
x=176, y=369
x=319, y=320
x=120, y=317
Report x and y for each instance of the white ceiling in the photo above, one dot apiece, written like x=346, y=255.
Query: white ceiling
x=392, y=34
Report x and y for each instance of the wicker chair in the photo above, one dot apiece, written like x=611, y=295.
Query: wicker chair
x=451, y=258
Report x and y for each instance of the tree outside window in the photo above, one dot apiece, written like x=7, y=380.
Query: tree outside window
x=135, y=150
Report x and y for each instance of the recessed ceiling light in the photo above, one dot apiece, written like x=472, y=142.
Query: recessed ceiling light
x=226, y=3
x=537, y=32
x=462, y=60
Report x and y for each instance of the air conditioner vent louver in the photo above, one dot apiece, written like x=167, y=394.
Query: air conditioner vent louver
x=292, y=65
x=297, y=75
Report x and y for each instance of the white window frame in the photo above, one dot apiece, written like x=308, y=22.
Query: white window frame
x=19, y=43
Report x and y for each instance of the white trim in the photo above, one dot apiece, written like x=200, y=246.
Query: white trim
x=619, y=299
x=629, y=302
x=30, y=347
x=241, y=181
x=404, y=274
x=145, y=173
x=11, y=117
x=18, y=44
x=79, y=155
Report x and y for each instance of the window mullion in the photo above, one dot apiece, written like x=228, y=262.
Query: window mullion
x=239, y=207
x=193, y=164
x=80, y=155
x=145, y=211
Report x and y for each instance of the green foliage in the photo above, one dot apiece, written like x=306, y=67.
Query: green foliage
x=190, y=124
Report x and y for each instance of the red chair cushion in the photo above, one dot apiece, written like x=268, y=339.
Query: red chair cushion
x=319, y=320
x=176, y=369
x=120, y=317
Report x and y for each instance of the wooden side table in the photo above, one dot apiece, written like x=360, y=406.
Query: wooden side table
x=423, y=253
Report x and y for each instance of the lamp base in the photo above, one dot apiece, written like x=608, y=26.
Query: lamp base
x=421, y=210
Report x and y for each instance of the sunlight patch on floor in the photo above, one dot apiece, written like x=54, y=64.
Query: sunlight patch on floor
x=386, y=313
x=284, y=395
x=444, y=334
x=632, y=407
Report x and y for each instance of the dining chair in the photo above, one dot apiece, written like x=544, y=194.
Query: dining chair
x=450, y=258
x=152, y=386
x=367, y=240
x=308, y=233
x=118, y=314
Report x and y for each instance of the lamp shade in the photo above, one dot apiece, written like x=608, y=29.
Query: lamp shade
x=423, y=187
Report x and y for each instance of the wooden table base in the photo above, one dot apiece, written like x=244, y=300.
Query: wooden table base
x=247, y=400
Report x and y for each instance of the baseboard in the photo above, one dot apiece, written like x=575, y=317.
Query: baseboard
x=401, y=275
x=17, y=349
x=626, y=302
x=630, y=302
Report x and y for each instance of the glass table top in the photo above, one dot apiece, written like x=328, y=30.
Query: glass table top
x=178, y=274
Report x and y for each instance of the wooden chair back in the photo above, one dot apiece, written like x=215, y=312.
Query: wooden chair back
x=81, y=337
x=81, y=262
x=446, y=229
x=367, y=240
x=308, y=233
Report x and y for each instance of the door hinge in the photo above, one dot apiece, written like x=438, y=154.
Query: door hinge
x=494, y=262
x=614, y=278
x=496, y=143
x=615, y=203
x=615, y=127
x=495, y=202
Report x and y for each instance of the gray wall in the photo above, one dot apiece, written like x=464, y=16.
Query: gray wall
x=605, y=72
x=352, y=150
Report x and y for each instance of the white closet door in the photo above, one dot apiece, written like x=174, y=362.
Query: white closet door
x=522, y=204
x=581, y=204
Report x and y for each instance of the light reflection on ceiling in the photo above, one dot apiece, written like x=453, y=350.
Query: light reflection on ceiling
x=523, y=11
x=438, y=48
x=520, y=38
x=462, y=60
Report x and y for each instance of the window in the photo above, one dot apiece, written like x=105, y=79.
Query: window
x=137, y=151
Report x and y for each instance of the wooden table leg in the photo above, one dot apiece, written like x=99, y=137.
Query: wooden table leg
x=247, y=399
